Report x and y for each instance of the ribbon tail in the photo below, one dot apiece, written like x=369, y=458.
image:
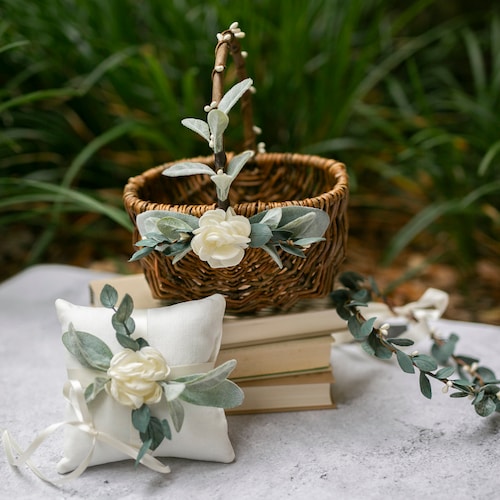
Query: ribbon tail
x=12, y=448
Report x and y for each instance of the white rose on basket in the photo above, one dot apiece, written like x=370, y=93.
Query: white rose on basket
x=221, y=238
x=135, y=376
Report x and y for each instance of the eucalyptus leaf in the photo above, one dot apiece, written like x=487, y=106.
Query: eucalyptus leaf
x=88, y=349
x=478, y=398
x=485, y=407
x=274, y=254
x=218, y=122
x=378, y=348
x=487, y=375
x=125, y=309
x=459, y=394
x=142, y=342
x=238, y=162
x=443, y=352
x=367, y=327
x=401, y=342
x=424, y=362
x=362, y=296
x=155, y=432
x=177, y=248
x=141, y=253
x=143, y=450
x=187, y=168
x=198, y=126
x=405, y=362
x=179, y=255
x=462, y=384
x=279, y=236
x=445, y=372
x=260, y=234
x=356, y=328
x=95, y=388
x=351, y=280
x=232, y=96
x=148, y=242
x=127, y=342
x=425, y=385
x=343, y=312
x=108, y=296
x=293, y=250
x=141, y=417
x=126, y=327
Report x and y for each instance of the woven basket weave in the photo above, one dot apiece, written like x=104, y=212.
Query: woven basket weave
x=257, y=282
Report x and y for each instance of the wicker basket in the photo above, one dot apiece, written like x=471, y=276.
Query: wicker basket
x=257, y=282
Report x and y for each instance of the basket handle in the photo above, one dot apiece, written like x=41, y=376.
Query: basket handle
x=227, y=44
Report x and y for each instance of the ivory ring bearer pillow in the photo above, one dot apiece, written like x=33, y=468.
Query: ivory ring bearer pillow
x=188, y=335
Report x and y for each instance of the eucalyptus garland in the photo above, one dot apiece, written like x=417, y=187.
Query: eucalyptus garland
x=476, y=382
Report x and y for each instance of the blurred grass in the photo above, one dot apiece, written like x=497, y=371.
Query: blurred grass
x=407, y=95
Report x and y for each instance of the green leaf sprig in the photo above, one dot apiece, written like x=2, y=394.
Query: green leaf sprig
x=291, y=229
x=204, y=389
x=478, y=383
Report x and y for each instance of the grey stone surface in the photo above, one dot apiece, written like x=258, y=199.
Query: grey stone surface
x=383, y=441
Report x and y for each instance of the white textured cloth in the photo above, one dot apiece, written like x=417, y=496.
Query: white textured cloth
x=384, y=440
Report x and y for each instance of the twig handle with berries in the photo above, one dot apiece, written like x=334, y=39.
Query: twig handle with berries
x=228, y=42
x=478, y=383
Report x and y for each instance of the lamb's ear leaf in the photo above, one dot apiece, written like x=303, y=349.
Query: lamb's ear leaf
x=88, y=349
x=198, y=126
x=238, y=162
x=260, y=234
x=171, y=226
x=187, y=168
x=311, y=224
x=218, y=122
x=232, y=96
x=223, y=184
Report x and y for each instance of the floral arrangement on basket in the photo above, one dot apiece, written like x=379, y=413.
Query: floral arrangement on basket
x=220, y=241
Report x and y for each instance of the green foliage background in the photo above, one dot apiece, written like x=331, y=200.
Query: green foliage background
x=406, y=94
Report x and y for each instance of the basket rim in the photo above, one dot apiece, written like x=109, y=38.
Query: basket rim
x=338, y=192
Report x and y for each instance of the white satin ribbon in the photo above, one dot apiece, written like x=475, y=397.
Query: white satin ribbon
x=429, y=307
x=74, y=393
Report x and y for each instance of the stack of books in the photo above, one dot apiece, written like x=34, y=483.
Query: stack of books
x=284, y=360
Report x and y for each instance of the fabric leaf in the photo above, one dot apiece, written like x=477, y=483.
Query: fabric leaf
x=109, y=296
x=238, y=162
x=218, y=122
x=93, y=389
x=232, y=96
x=187, y=168
x=198, y=126
x=226, y=394
x=88, y=349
